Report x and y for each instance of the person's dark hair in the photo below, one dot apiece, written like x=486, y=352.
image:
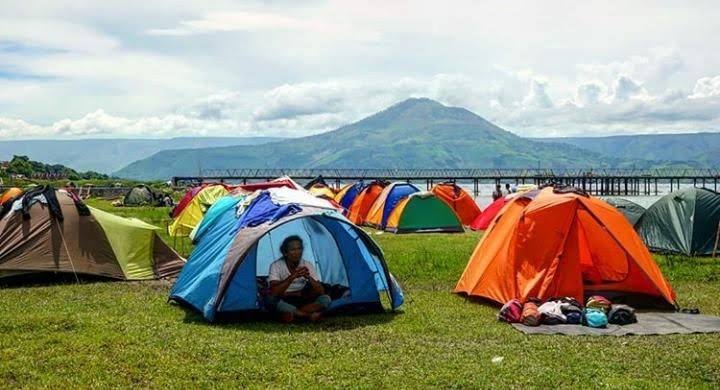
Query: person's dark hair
x=286, y=242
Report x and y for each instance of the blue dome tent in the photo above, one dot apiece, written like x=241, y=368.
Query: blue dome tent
x=347, y=195
x=226, y=272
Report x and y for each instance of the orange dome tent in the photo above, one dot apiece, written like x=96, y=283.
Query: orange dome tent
x=459, y=200
x=358, y=210
x=10, y=194
x=563, y=245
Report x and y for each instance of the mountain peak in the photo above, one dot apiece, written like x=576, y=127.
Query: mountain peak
x=413, y=101
x=419, y=111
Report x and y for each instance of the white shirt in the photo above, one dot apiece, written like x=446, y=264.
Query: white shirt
x=279, y=271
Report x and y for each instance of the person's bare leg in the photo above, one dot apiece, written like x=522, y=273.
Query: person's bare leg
x=312, y=308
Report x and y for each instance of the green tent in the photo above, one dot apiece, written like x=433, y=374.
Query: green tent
x=65, y=236
x=631, y=210
x=140, y=195
x=684, y=222
x=423, y=212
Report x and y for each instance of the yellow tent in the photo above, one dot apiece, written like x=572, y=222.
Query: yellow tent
x=342, y=192
x=321, y=191
x=193, y=213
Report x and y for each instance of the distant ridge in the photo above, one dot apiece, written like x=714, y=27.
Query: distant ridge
x=414, y=133
x=109, y=155
x=701, y=148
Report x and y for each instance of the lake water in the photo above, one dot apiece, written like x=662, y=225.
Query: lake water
x=486, y=190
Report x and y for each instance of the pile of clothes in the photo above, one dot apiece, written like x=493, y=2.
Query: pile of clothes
x=597, y=312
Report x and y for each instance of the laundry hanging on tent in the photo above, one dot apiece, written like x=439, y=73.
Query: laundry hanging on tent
x=49, y=194
x=262, y=210
x=284, y=195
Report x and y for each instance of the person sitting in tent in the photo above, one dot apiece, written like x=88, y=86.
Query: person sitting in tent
x=294, y=287
x=497, y=194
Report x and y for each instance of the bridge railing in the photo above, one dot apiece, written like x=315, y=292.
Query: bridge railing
x=474, y=173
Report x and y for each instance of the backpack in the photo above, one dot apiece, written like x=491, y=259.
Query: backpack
x=511, y=311
x=621, y=315
x=594, y=318
x=598, y=302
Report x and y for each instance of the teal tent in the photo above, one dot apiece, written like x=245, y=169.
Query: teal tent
x=684, y=222
x=631, y=210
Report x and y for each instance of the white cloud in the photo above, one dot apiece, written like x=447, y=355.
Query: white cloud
x=310, y=108
x=257, y=67
x=217, y=106
x=288, y=101
x=706, y=87
x=590, y=93
x=238, y=21
x=355, y=99
x=537, y=96
x=265, y=22
x=625, y=88
x=103, y=125
x=658, y=65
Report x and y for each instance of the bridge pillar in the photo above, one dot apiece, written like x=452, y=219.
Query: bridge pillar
x=626, y=186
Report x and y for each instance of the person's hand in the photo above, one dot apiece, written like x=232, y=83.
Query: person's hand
x=299, y=273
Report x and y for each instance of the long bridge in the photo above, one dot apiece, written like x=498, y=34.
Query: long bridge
x=602, y=181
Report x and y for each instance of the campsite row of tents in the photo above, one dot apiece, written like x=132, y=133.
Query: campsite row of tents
x=542, y=243
x=684, y=222
x=396, y=207
x=403, y=208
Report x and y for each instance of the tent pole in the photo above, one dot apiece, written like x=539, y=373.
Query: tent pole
x=717, y=237
x=66, y=250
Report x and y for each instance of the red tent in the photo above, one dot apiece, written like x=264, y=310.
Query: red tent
x=277, y=183
x=483, y=220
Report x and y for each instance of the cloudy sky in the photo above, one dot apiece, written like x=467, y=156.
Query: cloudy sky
x=89, y=69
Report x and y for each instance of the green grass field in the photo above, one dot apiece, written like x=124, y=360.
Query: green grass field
x=126, y=334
